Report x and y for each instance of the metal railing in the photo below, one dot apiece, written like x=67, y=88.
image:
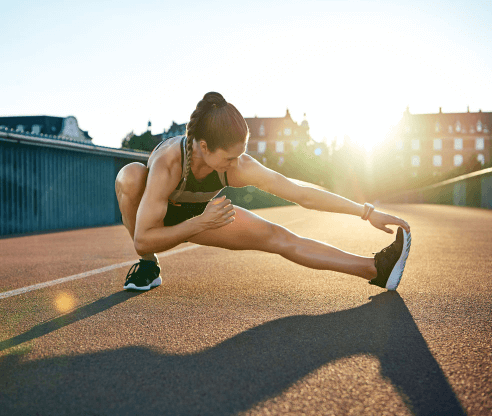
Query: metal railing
x=471, y=190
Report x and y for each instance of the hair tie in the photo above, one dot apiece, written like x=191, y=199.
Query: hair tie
x=221, y=104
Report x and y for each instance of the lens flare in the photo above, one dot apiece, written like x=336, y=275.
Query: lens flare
x=64, y=302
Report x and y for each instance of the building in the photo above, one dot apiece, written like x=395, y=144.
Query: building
x=60, y=128
x=434, y=144
x=278, y=135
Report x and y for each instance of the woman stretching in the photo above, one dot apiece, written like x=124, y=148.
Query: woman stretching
x=172, y=201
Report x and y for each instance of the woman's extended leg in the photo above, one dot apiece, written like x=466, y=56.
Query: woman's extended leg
x=129, y=187
x=251, y=232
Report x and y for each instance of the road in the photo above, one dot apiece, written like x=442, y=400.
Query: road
x=250, y=333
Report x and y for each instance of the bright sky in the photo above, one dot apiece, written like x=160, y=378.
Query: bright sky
x=352, y=66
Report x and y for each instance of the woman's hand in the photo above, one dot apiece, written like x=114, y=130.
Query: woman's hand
x=218, y=212
x=380, y=220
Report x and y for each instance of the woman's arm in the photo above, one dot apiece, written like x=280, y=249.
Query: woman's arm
x=250, y=172
x=151, y=236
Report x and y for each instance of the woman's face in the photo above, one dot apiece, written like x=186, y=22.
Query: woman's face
x=222, y=160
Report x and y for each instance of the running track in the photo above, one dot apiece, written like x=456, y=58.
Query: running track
x=247, y=332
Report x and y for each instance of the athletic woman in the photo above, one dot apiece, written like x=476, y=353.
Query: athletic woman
x=172, y=200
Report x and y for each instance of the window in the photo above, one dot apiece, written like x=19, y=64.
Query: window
x=262, y=130
x=438, y=127
x=479, y=126
x=279, y=147
x=481, y=159
x=287, y=131
x=399, y=145
x=479, y=143
x=458, y=144
x=36, y=129
x=415, y=144
x=450, y=129
x=437, y=144
x=437, y=160
x=415, y=160
x=261, y=147
x=458, y=160
x=458, y=126
x=20, y=128
x=295, y=143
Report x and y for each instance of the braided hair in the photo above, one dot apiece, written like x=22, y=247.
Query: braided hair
x=217, y=122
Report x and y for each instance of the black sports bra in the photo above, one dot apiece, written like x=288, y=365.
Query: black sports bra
x=191, y=190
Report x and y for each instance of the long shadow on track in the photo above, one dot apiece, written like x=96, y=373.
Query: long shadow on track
x=232, y=376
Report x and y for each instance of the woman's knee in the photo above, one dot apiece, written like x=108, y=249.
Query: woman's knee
x=131, y=179
x=279, y=238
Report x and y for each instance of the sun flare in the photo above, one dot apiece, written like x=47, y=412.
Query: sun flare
x=64, y=302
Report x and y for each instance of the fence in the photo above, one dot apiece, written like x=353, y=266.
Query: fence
x=51, y=184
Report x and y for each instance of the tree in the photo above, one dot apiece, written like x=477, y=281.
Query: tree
x=145, y=141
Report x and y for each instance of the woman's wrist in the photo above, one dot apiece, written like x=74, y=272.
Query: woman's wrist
x=368, y=209
x=199, y=224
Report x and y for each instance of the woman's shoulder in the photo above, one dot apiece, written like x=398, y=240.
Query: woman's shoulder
x=246, y=172
x=167, y=154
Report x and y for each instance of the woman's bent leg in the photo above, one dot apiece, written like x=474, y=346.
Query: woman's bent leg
x=251, y=232
x=130, y=186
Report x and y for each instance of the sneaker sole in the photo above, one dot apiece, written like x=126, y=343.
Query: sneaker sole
x=397, y=272
x=157, y=282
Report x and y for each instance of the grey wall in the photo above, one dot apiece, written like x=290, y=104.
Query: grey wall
x=51, y=188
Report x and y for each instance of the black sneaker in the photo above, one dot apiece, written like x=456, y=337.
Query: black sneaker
x=390, y=261
x=143, y=275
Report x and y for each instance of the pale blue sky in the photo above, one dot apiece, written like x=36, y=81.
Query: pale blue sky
x=352, y=66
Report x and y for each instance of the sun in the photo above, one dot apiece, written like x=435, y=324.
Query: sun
x=373, y=129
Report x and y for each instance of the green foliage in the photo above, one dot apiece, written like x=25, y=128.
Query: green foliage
x=302, y=163
x=145, y=141
x=338, y=168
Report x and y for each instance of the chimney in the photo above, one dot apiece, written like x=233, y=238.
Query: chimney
x=468, y=109
x=440, y=110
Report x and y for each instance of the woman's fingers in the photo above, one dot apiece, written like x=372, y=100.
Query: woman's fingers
x=221, y=212
x=403, y=224
x=381, y=220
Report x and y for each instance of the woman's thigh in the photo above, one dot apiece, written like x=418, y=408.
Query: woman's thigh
x=248, y=232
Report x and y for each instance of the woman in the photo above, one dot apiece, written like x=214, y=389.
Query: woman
x=172, y=201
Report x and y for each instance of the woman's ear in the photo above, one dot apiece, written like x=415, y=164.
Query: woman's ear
x=203, y=146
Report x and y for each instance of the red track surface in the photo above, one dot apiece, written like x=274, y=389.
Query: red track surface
x=249, y=332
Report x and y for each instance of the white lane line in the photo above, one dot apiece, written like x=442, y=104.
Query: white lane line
x=26, y=289
x=15, y=292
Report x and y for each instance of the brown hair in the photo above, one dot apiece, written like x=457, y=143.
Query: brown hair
x=217, y=122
